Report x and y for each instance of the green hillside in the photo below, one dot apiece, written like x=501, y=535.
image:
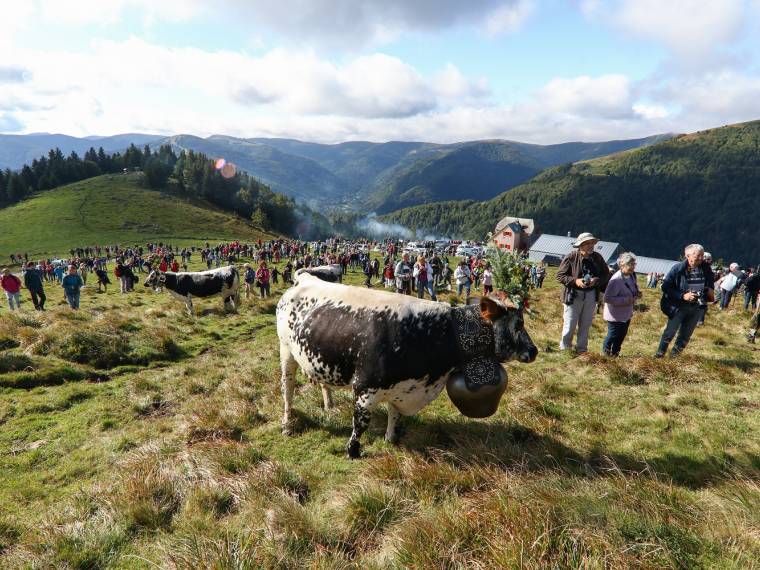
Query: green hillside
x=478, y=170
x=701, y=187
x=112, y=209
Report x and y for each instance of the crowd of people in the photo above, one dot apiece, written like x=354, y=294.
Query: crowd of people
x=588, y=284
x=688, y=289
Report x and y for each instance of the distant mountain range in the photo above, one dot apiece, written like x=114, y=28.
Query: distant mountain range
x=365, y=176
x=702, y=187
x=17, y=150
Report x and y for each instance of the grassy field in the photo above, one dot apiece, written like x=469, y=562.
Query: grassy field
x=132, y=436
x=112, y=209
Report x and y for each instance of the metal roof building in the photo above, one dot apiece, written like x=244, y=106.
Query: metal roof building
x=646, y=265
x=551, y=249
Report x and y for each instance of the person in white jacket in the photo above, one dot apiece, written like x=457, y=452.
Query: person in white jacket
x=728, y=284
x=423, y=276
x=462, y=275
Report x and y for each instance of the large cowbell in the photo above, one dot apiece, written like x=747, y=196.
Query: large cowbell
x=477, y=385
x=476, y=390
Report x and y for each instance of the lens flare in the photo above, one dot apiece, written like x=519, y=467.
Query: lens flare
x=228, y=170
x=220, y=162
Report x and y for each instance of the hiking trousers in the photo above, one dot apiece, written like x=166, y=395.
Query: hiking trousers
x=578, y=316
x=683, y=323
x=38, y=298
x=14, y=300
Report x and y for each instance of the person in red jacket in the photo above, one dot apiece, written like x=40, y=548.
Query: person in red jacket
x=262, y=279
x=12, y=286
x=163, y=266
x=175, y=266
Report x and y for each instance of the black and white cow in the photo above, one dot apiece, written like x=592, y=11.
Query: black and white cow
x=386, y=347
x=224, y=281
x=331, y=273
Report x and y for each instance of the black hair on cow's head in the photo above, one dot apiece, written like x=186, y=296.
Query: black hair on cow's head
x=511, y=338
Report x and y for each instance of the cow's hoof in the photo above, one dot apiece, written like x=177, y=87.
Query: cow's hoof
x=354, y=449
x=287, y=429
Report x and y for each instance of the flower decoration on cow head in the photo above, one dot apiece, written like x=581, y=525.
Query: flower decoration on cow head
x=511, y=275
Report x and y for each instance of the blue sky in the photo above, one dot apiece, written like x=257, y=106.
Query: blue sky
x=331, y=70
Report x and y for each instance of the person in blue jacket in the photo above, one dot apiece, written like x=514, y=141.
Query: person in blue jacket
x=71, y=284
x=686, y=289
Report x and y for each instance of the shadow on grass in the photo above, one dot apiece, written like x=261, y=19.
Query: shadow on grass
x=510, y=444
x=743, y=364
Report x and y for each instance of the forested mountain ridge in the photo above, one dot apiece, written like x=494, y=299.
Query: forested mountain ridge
x=701, y=187
x=17, y=150
x=189, y=175
x=363, y=176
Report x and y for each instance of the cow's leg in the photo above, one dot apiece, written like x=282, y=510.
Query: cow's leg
x=391, y=431
x=287, y=385
x=363, y=406
x=327, y=396
x=189, y=305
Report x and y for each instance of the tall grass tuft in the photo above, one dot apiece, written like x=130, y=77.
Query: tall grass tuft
x=231, y=551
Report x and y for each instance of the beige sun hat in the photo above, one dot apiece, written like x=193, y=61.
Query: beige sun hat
x=583, y=238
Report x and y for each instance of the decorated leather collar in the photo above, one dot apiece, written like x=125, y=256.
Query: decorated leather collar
x=475, y=338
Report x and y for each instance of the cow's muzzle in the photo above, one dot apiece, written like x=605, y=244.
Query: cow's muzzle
x=528, y=355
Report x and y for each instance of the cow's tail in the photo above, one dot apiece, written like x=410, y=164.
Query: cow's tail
x=235, y=286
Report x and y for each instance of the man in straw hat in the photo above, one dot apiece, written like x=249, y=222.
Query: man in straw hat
x=584, y=273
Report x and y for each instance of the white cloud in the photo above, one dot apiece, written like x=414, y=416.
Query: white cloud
x=451, y=83
x=691, y=29
x=80, y=12
x=509, y=18
x=338, y=24
x=606, y=96
x=721, y=97
x=120, y=84
x=347, y=24
x=649, y=112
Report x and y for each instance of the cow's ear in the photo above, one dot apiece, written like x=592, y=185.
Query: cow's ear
x=491, y=309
